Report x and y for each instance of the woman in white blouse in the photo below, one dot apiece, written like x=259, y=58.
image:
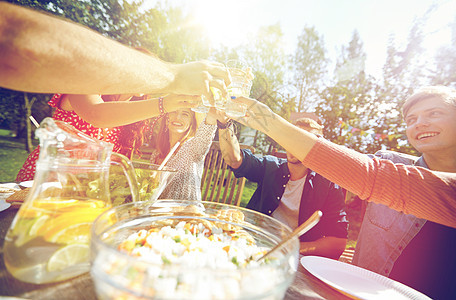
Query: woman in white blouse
x=195, y=141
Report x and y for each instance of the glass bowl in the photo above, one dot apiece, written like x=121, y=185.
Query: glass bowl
x=211, y=274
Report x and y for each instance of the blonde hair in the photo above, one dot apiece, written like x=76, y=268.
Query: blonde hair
x=446, y=94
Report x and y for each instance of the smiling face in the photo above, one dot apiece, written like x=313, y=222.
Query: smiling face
x=180, y=121
x=431, y=126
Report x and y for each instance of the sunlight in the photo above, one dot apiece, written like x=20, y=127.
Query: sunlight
x=225, y=22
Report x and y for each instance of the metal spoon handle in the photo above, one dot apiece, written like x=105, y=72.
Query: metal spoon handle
x=303, y=228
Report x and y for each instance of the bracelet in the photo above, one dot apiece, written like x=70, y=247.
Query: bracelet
x=220, y=125
x=161, y=107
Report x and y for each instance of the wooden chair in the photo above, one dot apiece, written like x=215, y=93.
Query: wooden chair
x=218, y=183
x=347, y=256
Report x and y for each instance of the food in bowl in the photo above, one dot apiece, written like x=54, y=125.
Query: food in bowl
x=190, y=252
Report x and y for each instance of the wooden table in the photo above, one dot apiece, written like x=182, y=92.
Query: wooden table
x=305, y=286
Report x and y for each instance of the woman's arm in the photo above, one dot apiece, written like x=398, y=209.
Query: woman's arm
x=202, y=140
x=102, y=114
x=44, y=54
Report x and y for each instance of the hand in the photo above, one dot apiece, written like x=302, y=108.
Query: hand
x=174, y=102
x=215, y=114
x=196, y=78
x=258, y=115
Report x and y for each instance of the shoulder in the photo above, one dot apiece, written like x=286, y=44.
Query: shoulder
x=55, y=100
x=396, y=157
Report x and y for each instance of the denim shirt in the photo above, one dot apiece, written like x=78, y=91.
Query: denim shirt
x=272, y=174
x=385, y=233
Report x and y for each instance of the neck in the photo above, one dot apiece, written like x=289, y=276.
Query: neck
x=297, y=171
x=441, y=162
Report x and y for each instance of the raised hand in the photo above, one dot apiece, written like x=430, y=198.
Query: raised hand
x=174, y=102
x=258, y=115
x=196, y=78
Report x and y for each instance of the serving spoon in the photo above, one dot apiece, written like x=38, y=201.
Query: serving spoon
x=303, y=228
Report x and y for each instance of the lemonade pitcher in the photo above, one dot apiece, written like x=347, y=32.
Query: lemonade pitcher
x=48, y=240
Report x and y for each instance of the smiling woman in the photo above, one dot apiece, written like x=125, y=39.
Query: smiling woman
x=195, y=137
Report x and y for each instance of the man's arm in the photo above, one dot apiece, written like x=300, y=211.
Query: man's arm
x=229, y=146
x=328, y=246
x=44, y=54
x=413, y=190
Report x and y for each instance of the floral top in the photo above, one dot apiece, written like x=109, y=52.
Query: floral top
x=111, y=135
x=189, y=163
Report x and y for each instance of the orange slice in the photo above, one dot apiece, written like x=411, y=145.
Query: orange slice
x=57, y=227
x=54, y=204
x=75, y=234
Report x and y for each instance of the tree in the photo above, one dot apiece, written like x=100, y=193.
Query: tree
x=164, y=31
x=265, y=54
x=348, y=105
x=309, y=66
x=445, y=62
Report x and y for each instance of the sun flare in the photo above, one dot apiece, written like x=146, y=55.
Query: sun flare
x=224, y=22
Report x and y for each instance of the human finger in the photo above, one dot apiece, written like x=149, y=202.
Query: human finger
x=220, y=85
x=174, y=102
x=220, y=71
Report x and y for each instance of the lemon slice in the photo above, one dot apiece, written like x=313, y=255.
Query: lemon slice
x=216, y=93
x=37, y=225
x=68, y=256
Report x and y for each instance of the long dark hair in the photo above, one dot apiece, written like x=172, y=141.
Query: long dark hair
x=131, y=136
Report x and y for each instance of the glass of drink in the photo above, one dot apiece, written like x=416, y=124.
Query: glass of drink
x=203, y=106
x=241, y=84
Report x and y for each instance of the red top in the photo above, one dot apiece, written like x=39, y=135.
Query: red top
x=413, y=190
x=111, y=135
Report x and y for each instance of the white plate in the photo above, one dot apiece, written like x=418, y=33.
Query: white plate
x=26, y=184
x=356, y=281
x=4, y=205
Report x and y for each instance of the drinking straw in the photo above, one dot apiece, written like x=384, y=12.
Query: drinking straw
x=162, y=165
x=34, y=122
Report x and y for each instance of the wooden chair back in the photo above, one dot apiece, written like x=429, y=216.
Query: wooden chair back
x=218, y=183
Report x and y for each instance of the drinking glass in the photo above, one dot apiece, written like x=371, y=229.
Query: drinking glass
x=203, y=106
x=241, y=84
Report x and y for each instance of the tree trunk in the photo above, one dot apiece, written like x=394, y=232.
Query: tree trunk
x=255, y=138
x=28, y=112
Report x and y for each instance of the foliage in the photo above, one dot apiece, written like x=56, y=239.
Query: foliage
x=157, y=29
x=445, y=66
x=308, y=66
x=12, y=156
x=355, y=107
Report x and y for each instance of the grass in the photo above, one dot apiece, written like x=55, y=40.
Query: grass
x=12, y=156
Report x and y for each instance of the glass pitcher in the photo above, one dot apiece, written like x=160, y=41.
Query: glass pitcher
x=48, y=239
